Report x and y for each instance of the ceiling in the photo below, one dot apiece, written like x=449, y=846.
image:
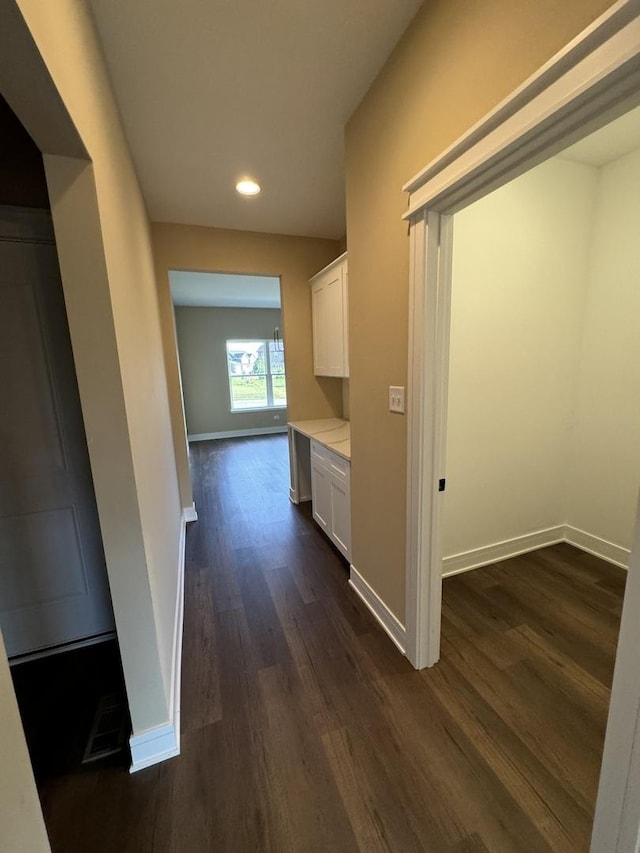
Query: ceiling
x=214, y=90
x=612, y=141
x=224, y=290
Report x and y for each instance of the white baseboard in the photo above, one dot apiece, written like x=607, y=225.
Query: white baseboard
x=190, y=513
x=153, y=746
x=391, y=624
x=608, y=551
x=236, y=433
x=162, y=742
x=298, y=499
x=469, y=560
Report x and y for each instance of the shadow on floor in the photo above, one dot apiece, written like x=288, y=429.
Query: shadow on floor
x=59, y=697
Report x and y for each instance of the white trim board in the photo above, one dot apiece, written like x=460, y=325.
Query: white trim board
x=389, y=622
x=602, y=548
x=189, y=513
x=467, y=561
x=162, y=742
x=592, y=80
x=236, y=433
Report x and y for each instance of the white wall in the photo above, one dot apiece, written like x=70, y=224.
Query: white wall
x=520, y=264
x=604, y=465
x=544, y=397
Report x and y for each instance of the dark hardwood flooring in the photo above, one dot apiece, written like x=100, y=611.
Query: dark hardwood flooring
x=303, y=729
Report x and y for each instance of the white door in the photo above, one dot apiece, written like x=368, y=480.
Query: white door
x=53, y=582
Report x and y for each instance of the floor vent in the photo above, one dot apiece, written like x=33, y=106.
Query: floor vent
x=109, y=729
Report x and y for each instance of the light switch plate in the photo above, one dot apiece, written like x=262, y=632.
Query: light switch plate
x=396, y=399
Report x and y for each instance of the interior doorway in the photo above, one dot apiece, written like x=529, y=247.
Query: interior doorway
x=56, y=614
x=53, y=580
x=231, y=353
x=543, y=415
x=592, y=81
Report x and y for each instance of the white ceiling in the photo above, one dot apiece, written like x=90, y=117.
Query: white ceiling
x=224, y=290
x=612, y=141
x=212, y=90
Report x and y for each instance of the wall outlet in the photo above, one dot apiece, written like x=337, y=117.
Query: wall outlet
x=276, y=417
x=396, y=399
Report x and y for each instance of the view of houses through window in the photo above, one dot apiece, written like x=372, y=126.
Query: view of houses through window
x=256, y=375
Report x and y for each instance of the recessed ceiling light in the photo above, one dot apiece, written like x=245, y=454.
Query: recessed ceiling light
x=248, y=187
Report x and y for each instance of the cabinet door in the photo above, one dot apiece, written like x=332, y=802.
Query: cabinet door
x=341, y=515
x=320, y=323
x=321, y=495
x=334, y=307
x=329, y=316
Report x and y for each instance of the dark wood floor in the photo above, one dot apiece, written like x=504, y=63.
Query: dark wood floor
x=305, y=730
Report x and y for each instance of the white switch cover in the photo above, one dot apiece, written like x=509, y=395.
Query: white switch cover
x=396, y=399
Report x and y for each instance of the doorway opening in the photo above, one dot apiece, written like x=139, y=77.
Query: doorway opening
x=231, y=353
x=592, y=81
x=55, y=605
x=544, y=358
x=543, y=463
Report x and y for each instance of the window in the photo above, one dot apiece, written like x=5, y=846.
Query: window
x=256, y=375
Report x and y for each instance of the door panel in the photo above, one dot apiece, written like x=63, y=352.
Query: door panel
x=53, y=584
x=32, y=434
x=50, y=569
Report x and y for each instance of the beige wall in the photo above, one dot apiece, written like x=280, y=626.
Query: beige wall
x=21, y=822
x=202, y=336
x=295, y=260
x=520, y=266
x=455, y=62
x=102, y=233
x=605, y=446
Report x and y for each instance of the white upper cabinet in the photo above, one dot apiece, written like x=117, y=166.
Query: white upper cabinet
x=330, y=311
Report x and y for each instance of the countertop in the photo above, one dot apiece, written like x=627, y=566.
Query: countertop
x=334, y=433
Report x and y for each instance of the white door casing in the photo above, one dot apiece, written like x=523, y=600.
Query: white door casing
x=53, y=582
x=430, y=308
x=593, y=80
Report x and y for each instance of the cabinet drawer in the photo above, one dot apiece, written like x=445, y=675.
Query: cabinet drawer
x=320, y=452
x=339, y=467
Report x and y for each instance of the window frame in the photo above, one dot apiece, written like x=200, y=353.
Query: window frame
x=271, y=404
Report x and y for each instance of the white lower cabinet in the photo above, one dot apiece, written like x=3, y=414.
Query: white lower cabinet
x=330, y=495
x=321, y=495
x=340, y=516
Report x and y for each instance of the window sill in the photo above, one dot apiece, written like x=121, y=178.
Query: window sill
x=262, y=409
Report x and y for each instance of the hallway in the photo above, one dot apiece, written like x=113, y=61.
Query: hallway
x=303, y=728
